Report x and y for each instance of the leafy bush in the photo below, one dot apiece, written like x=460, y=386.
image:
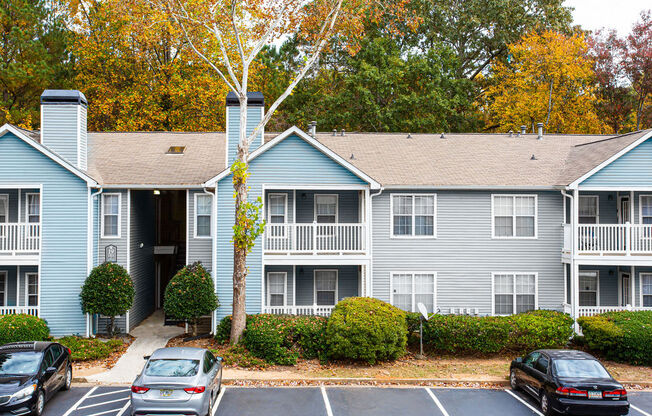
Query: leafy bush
x=366, y=329
x=237, y=355
x=84, y=349
x=223, y=330
x=620, y=336
x=109, y=291
x=21, y=327
x=190, y=295
x=412, y=319
x=498, y=334
x=280, y=339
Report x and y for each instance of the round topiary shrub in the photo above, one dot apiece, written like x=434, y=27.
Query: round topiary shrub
x=366, y=329
x=190, y=295
x=108, y=291
x=21, y=327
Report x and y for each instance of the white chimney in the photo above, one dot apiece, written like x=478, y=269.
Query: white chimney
x=63, y=125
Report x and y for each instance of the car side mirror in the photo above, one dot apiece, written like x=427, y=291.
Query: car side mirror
x=519, y=359
x=220, y=360
x=146, y=357
x=50, y=370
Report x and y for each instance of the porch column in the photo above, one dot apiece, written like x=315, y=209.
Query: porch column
x=632, y=285
x=575, y=289
x=631, y=207
x=575, y=268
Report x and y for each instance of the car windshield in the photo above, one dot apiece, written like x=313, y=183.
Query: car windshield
x=172, y=368
x=580, y=369
x=19, y=363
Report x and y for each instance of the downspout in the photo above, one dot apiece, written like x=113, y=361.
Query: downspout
x=90, y=256
x=371, y=244
x=213, y=250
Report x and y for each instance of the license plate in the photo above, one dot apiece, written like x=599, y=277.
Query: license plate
x=595, y=395
x=166, y=393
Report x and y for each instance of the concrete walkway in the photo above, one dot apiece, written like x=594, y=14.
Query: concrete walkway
x=150, y=335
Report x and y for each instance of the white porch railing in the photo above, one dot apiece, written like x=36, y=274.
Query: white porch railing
x=19, y=238
x=12, y=310
x=315, y=238
x=596, y=310
x=621, y=239
x=299, y=310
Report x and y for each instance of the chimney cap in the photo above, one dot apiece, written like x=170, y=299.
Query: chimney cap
x=254, y=99
x=63, y=97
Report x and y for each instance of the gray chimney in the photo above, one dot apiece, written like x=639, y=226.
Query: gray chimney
x=523, y=130
x=255, y=113
x=539, y=131
x=63, y=125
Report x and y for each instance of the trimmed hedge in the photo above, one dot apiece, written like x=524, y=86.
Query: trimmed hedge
x=366, y=329
x=22, y=327
x=84, y=349
x=497, y=334
x=223, y=330
x=620, y=336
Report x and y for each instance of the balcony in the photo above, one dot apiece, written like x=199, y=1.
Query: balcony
x=316, y=238
x=20, y=241
x=612, y=239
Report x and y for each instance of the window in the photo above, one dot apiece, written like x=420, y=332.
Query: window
x=204, y=205
x=3, y=288
x=111, y=215
x=326, y=208
x=588, y=209
x=514, y=292
x=514, y=216
x=589, y=288
x=325, y=287
x=4, y=208
x=277, y=210
x=276, y=283
x=646, y=209
x=542, y=364
x=646, y=284
x=33, y=208
x=413, y=215
x=209, y=361
x=32, y=289
x=531, y=359
x=409, y=289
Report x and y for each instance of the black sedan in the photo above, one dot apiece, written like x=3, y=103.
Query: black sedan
x=30, y=374
x=568, y=382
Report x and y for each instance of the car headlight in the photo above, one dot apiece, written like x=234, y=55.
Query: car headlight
x=24, y=392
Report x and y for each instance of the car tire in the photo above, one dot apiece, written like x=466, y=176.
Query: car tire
x=210, y=407
x=546, y=406
x=40, y=404
x=67, y=381
x=513, y=382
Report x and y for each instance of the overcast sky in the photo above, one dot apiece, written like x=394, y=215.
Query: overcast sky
x=617, y=14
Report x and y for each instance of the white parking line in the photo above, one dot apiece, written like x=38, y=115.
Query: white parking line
x=217, y=402
x=639, y=410
x=327, y=403
x=106, y=412
x=107, y=393
x=534, y=409
x=124, y=408
x=80, y=401
x=437, y=402
x=103, y=403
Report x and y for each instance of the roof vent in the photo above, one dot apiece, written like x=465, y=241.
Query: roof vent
x=176, y=150
x=409, y=135
x=523, y=130
x=342, y=132
x=511, y=133
x=334, y=132
x=533, y=157
x=312, y=128
x=540, y=131
x=352, y=157
x=442, y=136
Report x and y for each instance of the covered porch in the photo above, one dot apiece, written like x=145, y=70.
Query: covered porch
x=20, y=225
x=19, y=290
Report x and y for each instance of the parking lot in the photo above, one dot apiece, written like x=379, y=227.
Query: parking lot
x=330, y=401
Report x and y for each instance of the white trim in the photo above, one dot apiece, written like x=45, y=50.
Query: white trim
x=226, y=156
x=619, y=213
x=187, y=227
x=640, y=285
x=597, y=207
x=285, y=285
x=514, y=236
x=20, y=192
x=6, y=214
x=211, y=231
x=285, y=215
x=38, y=286
x=128, y=233
x=78, y=136
x=475, y=187
x=597, y=287
x=314, y=285
x=620, y=288
x=40, y=206
x=412, y=236
x=315, y=143
x=413, y=294
x=294, y=285
x=119, y=235
x=514, y=294
x=337, y=207
x=640, y=206
x=5, y=274
x=8, y=128
x=313, y=187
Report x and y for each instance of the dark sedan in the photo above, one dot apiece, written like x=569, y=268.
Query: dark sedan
x=568, y=382
x=30, y=374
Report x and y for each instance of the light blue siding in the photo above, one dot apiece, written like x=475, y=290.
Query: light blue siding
x=254, y=115
x=120, y=242
x=64, y=131
x=631, y=169
x=199, y=249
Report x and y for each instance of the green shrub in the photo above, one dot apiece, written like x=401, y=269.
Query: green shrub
x=190, y=295
x=412, y=319
x=366, y=329
x=84, y=349
x=21, y=327
x=280, y=339
x=540, y=329
x=109, y=291
x=237, y=355
x=223, y=330
x=620, y=336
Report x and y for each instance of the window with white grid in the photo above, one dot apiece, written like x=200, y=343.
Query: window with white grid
x=276, y=282
x=514, y=216
x=111, y=215
x=4, y=208
x=326, y=287
x=32, y=289
x=277, y=206
x=326, y=208
x=413, y=215
x=646, y=209
x=514, y=293
x=588, y=209
x=204, y=204
x=409, y=289
x=588, y=288
x=646, y=284
x=33, y=208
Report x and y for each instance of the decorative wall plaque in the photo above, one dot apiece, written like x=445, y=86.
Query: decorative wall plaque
x=111, y=254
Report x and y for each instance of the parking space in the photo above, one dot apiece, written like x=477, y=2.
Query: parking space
x=640, y=403
x=272, y=401
x=95, y=401
x=364, y=401
x=470, y=402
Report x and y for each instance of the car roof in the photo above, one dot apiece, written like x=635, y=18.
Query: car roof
x=568, y=354
x=25, y=346
x=179, y=353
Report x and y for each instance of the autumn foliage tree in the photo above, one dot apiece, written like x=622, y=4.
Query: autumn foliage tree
x=638, y=68
x=549, y=78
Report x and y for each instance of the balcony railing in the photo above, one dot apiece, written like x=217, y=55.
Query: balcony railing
x=315, y=238
x=596, y=310
x=613, y=239
x=13, y=310
x=317, y=310
x=20, y=238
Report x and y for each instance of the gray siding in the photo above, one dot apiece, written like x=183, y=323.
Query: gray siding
x=198, y=249
x=347, y=211
x=464, y=255
x=122, y=242
x=143, y=232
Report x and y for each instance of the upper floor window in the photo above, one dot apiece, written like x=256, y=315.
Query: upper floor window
x=514, y=216
x=111, y=215
x=326, y=208
x=413, y=215
x=588, y=209
x=4, y=208
x=203, y=204
x=277, y=208
x=514, y=292
x=33, y=208
x=646, y=209
x=410, y=289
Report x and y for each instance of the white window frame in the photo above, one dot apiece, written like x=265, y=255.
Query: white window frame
x=413, y=273
x=269, y=206
x=6, y=213
x=640, y=207
x=285, y=292
x=514, y=294
x=412, y=236
x=597, y=208
x=597, y=286
x=640, y=285
x=5, y=289
x=314, y=285
x=337, y=207
x=38, y=283
x=514, y=236
x=119, y=235
x=27, y=215
x=210, y=216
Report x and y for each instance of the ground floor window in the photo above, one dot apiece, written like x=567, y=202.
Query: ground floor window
x=32, y=289
x=409, y=289
x=325, y=287
x=514, y=293
x=589, y=283
x=3, y=288
x=276, y=283
x=646, y=285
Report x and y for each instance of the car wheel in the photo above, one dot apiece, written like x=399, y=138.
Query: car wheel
x=546, y=407
x=512, y=380
x=40, y=404
x=210, y=406
x=67, y=382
